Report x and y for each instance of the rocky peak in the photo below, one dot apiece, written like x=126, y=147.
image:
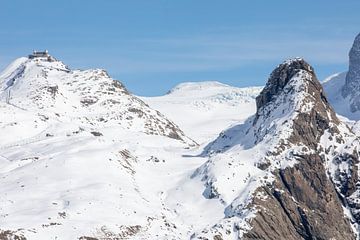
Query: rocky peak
x=315, y=128
x=295, y=99
x=292, y=102
x=352, y=81
x=311, y=173
x=280, y=77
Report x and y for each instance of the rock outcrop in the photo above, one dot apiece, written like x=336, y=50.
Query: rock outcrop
x=352, y=82
x=303, y=203
x=279, y=78
x=310, y=155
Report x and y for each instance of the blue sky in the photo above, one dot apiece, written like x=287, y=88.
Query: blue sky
x=152, y=45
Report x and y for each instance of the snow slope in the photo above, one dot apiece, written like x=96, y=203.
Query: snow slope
x=88, y=97
x=343, y=88
x=333, y=86
x=81, y=157
x=204, y=109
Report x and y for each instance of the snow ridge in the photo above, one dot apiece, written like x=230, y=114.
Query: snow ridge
x=88, y=97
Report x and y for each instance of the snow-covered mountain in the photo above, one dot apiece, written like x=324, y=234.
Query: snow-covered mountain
x=352, y=81
x=290, y=171
x=343, y=88
x=90, y=97
x=82, y=158
x=203, y=109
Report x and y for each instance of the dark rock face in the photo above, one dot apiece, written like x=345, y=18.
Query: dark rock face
x=10, y=235
x=352, y=83
x=279, y=78
x=303, y=202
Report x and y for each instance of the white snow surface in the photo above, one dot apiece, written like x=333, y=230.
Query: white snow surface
x=204, y=109
x=61, y=181
x=75, y=161
x=87, y=97
x=333, y=86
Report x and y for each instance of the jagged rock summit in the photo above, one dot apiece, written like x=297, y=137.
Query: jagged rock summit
x=280, y=77
x=292, y=167
x=352, y=82
x=293, y=89
x=317, y=133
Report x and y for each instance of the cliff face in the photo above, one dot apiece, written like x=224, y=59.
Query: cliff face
x=308, y=156
x=303, y=202
x=352, y=81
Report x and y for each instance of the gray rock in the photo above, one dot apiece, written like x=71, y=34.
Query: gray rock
x=352, y=83
x=306, y=200
x=279, y=78
x=304, y=203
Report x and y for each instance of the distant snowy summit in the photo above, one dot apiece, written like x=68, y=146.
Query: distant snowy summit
x=203, y=109
x=197, y=86
x=343, y=89
x=214, y=91
x=352, y=81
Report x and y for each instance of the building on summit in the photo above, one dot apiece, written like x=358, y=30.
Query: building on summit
x=38, y=54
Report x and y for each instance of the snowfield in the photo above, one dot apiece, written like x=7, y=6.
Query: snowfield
x=333, y=86
x=204, y=109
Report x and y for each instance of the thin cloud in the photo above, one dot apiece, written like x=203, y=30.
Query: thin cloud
x=200, y=53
